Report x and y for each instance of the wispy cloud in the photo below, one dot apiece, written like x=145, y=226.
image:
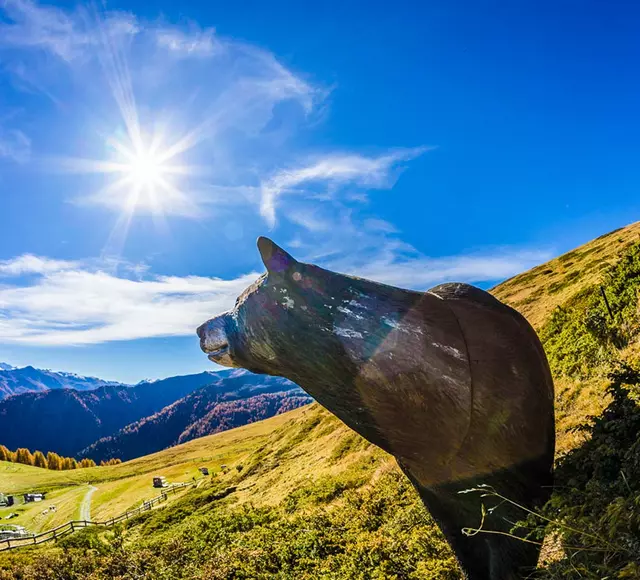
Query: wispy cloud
x=14, y=145
x=345, y=241
x=64, y=34
x=422, y=272
x=334, y=171
x=232, y=108
x=195, y=42
x=67, y=303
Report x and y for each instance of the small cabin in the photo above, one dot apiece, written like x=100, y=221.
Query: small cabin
x=160, y=481
x=30, y=497
x=6, y=500
x=204, y=470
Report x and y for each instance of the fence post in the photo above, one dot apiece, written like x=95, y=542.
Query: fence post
x=606, y=301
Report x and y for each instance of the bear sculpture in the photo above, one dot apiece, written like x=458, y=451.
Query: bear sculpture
x=451, y=382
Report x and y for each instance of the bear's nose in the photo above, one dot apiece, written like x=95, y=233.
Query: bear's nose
x=212, y=334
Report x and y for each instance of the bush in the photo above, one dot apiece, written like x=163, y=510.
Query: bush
x=584, y=337
x=595, y=507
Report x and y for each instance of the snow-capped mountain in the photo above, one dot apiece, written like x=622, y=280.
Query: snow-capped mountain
x=14, y=381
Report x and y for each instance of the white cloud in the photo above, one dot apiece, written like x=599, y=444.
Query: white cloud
x=30, y=264
x=335, y=170
x=348, y=242
x=69, y=303
x=218, y=109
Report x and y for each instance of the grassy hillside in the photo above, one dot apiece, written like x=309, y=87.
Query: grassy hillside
x=203, y=412
x=311, y=499
x=306, y=490
x=537, y=292
x=127, y=484
x=571, y=284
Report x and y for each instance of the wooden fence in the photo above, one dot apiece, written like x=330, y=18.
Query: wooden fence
x=73, y=525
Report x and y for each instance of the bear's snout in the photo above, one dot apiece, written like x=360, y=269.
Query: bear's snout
x=212, y=334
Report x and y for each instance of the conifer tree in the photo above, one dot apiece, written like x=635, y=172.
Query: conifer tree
x=24, y=456
x=53, y=461
x=4, y=453
x=39, y=460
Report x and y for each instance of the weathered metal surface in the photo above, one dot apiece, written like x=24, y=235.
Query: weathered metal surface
x=452, y=382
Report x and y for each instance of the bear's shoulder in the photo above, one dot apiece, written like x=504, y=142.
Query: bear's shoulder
x=471, y=296
x=467, y=293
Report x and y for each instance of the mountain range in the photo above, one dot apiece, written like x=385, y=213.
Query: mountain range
x=234, y=399
x=14, y=381
x=84, y=416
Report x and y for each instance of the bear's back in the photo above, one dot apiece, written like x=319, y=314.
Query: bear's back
x=462, y=291
x=512, y=387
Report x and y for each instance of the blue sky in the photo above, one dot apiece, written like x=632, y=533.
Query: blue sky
x=143, y=150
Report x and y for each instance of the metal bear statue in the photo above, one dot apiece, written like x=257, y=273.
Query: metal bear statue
x=451, y=382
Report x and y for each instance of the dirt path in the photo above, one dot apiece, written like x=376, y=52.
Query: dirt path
x=85, y=506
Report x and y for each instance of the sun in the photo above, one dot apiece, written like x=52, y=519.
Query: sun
x=146, y=170
x=148, y=173
x=142, y=175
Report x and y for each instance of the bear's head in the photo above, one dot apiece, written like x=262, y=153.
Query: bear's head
x=362, y=349
x=268, y=330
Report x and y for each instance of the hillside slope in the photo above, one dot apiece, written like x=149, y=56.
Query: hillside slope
x=281, y=477
x=563, y=300
x=216, y=407
x=537, y=292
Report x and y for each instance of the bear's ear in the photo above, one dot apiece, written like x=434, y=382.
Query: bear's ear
x=274, y=257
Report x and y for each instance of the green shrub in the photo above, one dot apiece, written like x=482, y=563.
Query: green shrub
x=596, y=504
x=584, y=337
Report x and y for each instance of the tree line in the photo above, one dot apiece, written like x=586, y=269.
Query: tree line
x=49, y=461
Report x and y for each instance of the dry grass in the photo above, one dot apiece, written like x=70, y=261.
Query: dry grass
x=537, y=292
